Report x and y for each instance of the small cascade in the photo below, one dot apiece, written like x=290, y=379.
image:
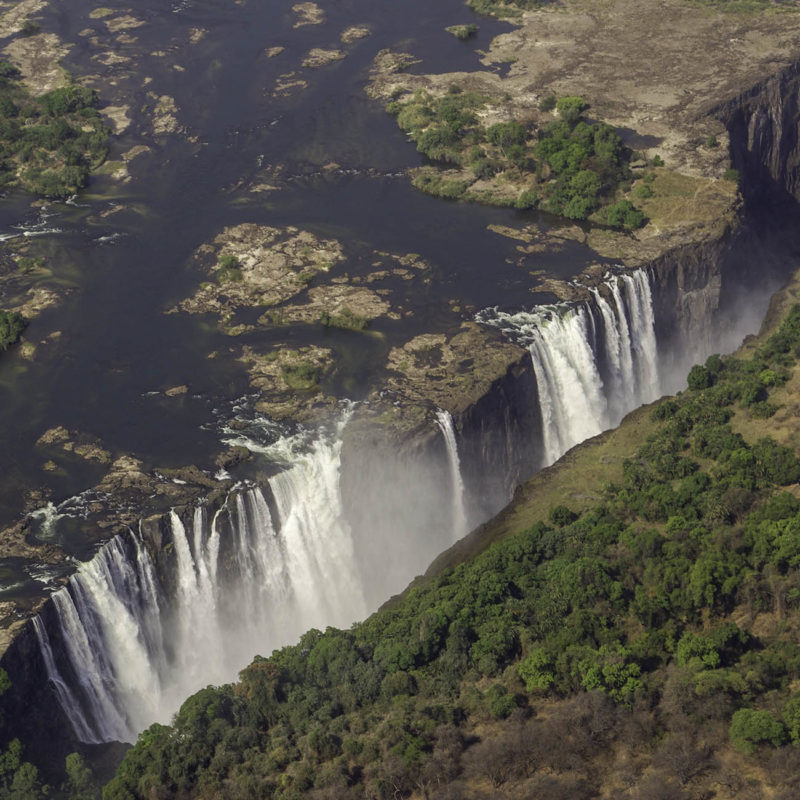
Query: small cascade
x=127, y=640
x=445, y=422
x=594, y=361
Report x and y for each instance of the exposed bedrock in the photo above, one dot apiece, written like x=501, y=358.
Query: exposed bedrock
x=763, y=127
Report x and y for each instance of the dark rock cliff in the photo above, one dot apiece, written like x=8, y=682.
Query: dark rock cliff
x=764, y=140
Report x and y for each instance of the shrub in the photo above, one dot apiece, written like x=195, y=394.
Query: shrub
x=699, y=378
x=300, y=377
x=68, y=99
x=624, y=215
x=547, y=103
x=29, y=28
x=462, y=32
x=11, y=326
x=229, y=269
x=750, y=728
x=658, y=161
x=570, y=108
x=643, y=191
x=712, y=142
x=8, y=70
x=731, y=175
x=499, y=701
x=528, y=199
x=344, y=319
x=537, y=670
x=505, y=134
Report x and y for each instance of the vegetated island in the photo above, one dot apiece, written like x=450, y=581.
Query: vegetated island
x=569, y=166
x=48, y=143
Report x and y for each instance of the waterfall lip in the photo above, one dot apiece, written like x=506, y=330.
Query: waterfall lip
x=134, y=633
x=279, y=442
x=594, y=359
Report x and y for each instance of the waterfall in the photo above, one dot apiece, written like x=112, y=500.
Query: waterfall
x=594, y=361
x=445, y=422
x=128, y=639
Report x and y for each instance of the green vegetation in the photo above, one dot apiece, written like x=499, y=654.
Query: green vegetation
x=344, y=319
x=301, y=377
x=462, y=32
x=18, y=779
x=731, y=175
x=570, y=167
x=11, y=326
x=229, y=269
x=660, y=623
x=50, y=143
x=548, y=103
x=29, y=28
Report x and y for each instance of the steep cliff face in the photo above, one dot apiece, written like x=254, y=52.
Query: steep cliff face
x=498, y=440
x=392, y=481
x=30, y=710
x=763, y=128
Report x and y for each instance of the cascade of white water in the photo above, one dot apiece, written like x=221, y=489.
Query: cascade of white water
x=640, y=303
x=594, y=361
x=66, y=696
x=445, y=422
x=136, y=641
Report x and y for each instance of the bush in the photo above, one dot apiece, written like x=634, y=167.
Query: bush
x=29, y=28
x=731, y=175
x=643, y=191
x=528, y=199
x=699, y=378
x=547, y=103
x=229, y=269
x=505, y=134
x=68, y=99
x=499, y=701
x=8, y=70
x=344, y=319
x=658, y=161
x=624, y=215
x=462, y=32
x=300, y=377
x=750, y=728
x=570, y=108
x=11, y=326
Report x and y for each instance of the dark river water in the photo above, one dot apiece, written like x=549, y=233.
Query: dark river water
x=118, y=348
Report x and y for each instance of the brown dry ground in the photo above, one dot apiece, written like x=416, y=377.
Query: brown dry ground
x=654, y=66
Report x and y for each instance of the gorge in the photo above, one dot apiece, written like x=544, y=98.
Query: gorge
x=338, y=504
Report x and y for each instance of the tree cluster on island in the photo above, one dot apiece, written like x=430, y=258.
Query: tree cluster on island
x=570, y=167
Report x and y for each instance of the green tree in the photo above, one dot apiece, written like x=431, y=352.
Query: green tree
x=751, y=728
x=80, y=784
x=570, y=108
